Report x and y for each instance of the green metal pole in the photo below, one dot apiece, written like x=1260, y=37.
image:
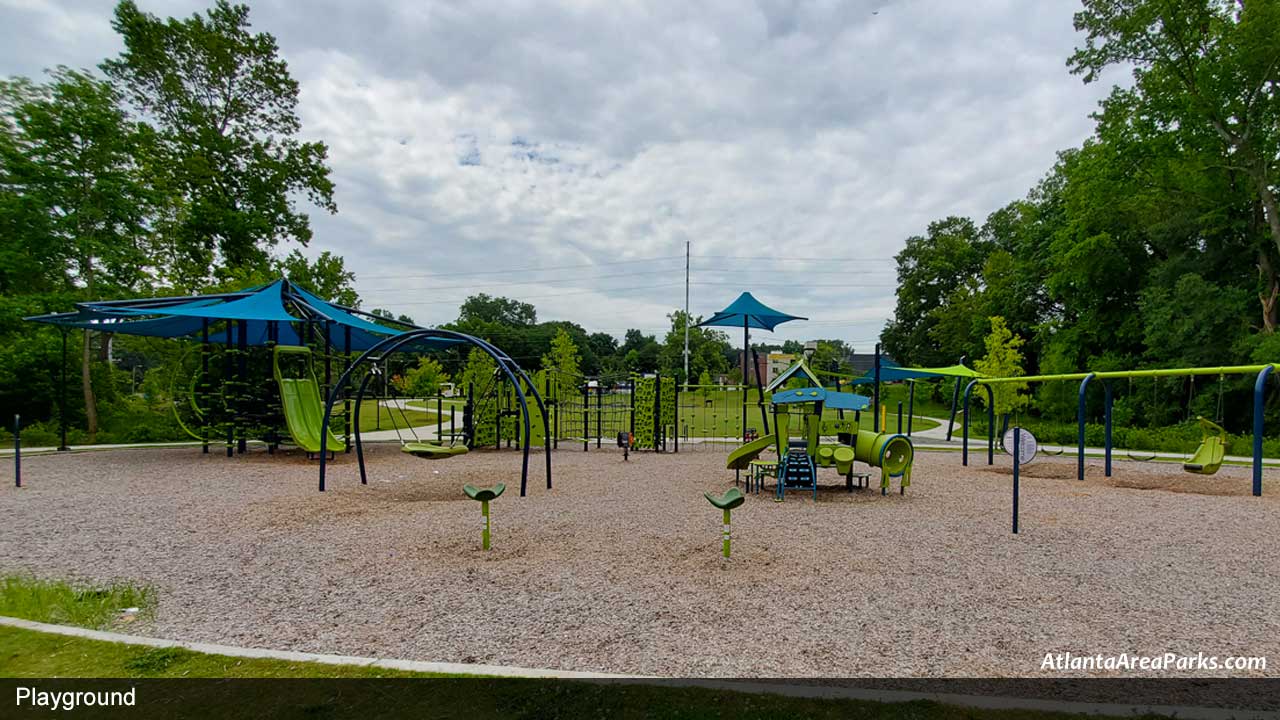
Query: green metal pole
x=726, y=532
x=484, y=510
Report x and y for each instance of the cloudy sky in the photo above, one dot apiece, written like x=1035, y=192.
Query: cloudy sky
x=564, y=152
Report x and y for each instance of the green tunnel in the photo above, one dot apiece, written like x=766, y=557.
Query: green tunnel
x=891, y=452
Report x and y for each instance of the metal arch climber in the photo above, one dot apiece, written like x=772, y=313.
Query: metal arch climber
x=508, y=366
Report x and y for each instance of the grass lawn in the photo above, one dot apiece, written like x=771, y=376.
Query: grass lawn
x=718, y=413
x=30, y=654
x=373, y=417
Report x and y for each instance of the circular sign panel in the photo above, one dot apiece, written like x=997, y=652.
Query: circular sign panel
x=1027, y=445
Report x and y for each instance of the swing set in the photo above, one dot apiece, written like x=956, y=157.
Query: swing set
x=1208, y=456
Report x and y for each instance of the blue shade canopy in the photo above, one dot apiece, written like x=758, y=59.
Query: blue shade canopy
x=281, y=304
x=751, y=312
x=264, y=305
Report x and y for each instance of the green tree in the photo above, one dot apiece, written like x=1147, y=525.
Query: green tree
x=225, y=151
x=1004, y=359
x=707, y=348
x=930, y=270
x=478, y=372
x=69, y=166
x=563, y=356
x=1205, y=74
x=422, y=380
x=480, y=309
x=326, y=276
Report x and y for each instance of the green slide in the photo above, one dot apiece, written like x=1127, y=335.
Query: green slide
x=303, y=410
x=739, y=459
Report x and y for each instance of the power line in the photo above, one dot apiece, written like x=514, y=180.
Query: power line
x=481, y=285
x=551, y=295
x=521, y=269
x=788, y=258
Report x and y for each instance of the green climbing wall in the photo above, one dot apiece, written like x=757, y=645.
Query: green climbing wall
x=643, y=390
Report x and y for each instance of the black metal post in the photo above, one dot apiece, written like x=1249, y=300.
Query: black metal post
x=201, y=396
x=62, y=396
x=764, y=414
x=228, y=384
x=1017, y=437
x=840, y=412
x=242, y=383
x=599, y=408
x=875, y=403
x=676, y=415
x=17, y=450
x=746, y=378
x=586, y=415
x=346, y=401
x=911, y=405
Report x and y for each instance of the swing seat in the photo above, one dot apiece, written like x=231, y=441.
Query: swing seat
x=433, y=451
x=1208, y=457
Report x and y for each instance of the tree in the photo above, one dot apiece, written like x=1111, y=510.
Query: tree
x=1205, y=74
x=930, y=270
x=481, y=309
x=69, y=164
x=423, y=380
x=327, y=276
x=384, y=313
x=225, y=150
x=563, y=356
x=477, y=372
x=640, y=352
x=706, y=348
x=1003, y=359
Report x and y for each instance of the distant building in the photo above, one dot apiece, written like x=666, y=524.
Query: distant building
x=778, y=361
x=749, y=373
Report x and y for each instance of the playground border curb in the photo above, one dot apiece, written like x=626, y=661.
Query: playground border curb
x=990, y=702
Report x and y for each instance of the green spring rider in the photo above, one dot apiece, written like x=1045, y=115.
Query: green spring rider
x=484, y=495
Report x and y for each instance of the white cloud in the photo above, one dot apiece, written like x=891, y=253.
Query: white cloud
x=470, y=137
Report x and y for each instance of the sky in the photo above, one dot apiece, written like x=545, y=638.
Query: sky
x=563, y=152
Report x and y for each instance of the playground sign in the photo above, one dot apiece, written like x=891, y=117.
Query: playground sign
x=1027, y=445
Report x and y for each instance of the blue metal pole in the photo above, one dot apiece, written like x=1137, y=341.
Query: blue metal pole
x=991, y=426
x=1107, y=421
x=1259, y=394
x=1017, y=436
x=17, y=451
x=1084, y=386
x=964, y=445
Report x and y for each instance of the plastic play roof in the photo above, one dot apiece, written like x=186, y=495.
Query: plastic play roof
x=752, y=313
x=829, y=398
x=280, y=306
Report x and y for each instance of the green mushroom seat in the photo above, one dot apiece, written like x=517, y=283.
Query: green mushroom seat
x=731, y=499
x=484, y=494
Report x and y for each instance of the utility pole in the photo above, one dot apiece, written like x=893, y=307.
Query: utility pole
x=687, y=319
